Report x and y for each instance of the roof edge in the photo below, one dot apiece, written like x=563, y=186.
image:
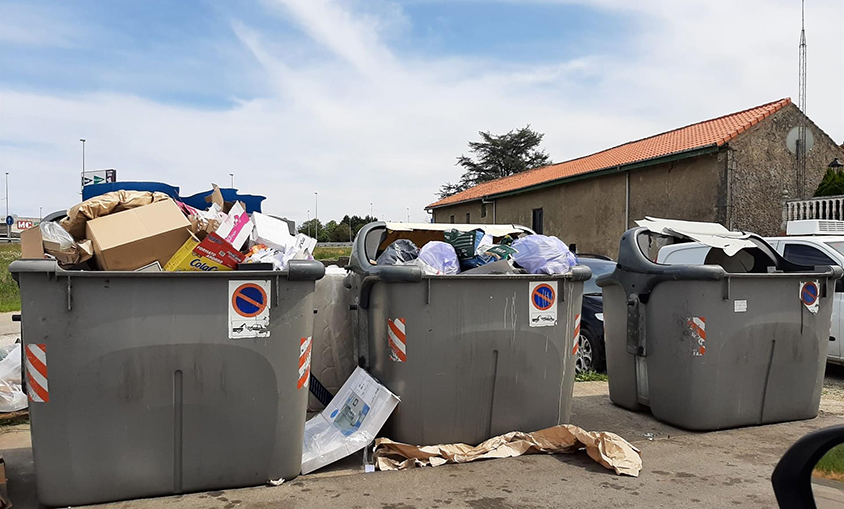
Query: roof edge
x=674, y=156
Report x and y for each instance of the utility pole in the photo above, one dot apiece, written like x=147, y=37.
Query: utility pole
x=801, y=129
x=8, y=226
x=350, y=228
x=232, y=177
x=370, y=209
x=82, y=179
x=408, y=214
x=309, y=222
x=316, y=214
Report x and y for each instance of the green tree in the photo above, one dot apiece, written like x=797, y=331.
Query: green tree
x=341, y=233
x=497, y=156
x=832, y=183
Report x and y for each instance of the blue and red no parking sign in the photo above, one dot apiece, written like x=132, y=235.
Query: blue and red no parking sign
x=543, y=297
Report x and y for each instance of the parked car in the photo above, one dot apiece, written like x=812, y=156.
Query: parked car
x=591, y=352
x=808, y=242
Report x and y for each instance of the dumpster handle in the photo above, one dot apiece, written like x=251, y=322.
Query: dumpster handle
x=388, y=274
x=305, y=270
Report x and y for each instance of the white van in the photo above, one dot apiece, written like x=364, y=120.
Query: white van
x=808, y=242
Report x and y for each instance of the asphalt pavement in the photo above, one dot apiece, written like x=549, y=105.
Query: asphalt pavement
x=681, y=469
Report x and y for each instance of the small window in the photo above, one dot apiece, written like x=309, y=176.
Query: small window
x=483, y=209
x=468, y=218
x=537, y=220
x=452, y=219
x=806, y=255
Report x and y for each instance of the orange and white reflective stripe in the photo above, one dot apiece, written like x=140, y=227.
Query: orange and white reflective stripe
x=576, y=335
x=397, y=339
x=304, y=362
x=697, y=324
x=36, y=373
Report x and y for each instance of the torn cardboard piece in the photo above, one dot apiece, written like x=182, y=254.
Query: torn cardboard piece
x=608, y=449
x=350, y=421
x=710, y=234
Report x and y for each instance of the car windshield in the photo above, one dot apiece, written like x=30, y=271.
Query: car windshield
x=838, y=246
x=599, y=268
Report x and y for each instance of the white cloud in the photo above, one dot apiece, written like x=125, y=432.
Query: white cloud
x=365, y=125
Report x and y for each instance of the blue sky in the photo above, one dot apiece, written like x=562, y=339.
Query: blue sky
x=298, y=96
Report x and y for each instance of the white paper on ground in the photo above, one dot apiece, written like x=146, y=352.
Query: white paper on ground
x=350, y=421
x=711, y=234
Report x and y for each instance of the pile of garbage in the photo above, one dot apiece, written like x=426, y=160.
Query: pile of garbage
x=150, y=231
x=478, y=252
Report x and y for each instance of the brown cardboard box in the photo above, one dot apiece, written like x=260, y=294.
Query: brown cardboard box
x=133, y=238
x=31, y=245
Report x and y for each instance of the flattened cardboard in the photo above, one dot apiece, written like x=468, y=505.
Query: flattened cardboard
x=133, y=238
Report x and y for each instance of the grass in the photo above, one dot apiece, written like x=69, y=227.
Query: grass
x=10, y=298
x=831, y=466
x=331, y=253
x=591, y=376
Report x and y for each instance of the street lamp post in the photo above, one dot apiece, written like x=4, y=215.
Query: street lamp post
x=370, y=209
x=316, y=214
x=82, y=176
x=8, y=226
x=309, y=222
x=408, y=214
x=232, y=177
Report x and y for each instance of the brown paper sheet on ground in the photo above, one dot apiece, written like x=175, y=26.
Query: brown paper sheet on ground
x=608, y=449
x=104, y=204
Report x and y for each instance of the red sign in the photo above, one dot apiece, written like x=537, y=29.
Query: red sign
x=25, y=225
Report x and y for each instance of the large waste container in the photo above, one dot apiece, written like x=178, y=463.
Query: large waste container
x=708, y=349
x=467, y=360
x=137, y=390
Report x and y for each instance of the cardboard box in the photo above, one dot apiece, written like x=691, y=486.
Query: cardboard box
x=31, y=244
x=216, y=248
x=186, y=259
x=133, y=238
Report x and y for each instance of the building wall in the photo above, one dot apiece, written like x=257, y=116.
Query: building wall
x=740, y=186
x=591, y=212
x=763, y=171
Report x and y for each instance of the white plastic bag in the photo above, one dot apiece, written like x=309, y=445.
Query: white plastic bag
x=441, y=256
x=540, y=254
x=12, y=397
x=53, y=232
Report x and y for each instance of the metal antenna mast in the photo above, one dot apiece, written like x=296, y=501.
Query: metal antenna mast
x=801, y=139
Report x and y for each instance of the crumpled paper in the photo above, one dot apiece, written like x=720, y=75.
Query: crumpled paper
x=608, y=449
x=104, y=204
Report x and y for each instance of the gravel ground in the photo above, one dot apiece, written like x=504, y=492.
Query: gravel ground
x=832, y=400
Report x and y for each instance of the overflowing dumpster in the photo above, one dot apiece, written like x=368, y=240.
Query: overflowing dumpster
x=739, y=341
x=471, y=355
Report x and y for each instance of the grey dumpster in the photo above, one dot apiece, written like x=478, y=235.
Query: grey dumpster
x=137, y=390
x=461, y=351
x=708, y=349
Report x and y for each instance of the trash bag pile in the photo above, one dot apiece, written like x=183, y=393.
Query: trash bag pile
x=476, y=252
x=150, y=231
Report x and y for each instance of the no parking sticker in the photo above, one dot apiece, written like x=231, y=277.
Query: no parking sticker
x=543, y=304
x=249, y=309
x=810, y=295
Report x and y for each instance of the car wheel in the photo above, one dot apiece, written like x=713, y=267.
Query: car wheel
x=590, y=353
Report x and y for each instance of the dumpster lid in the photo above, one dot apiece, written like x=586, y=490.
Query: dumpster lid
x=496, y=230
x=711, y=234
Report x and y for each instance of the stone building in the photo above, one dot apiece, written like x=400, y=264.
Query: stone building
x=735, y=170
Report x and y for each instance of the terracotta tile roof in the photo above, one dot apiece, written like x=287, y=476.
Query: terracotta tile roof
x=709, y=133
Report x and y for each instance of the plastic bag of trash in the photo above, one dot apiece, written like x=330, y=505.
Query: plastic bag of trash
x=540, y=254
x=53, y=232
x=398, y=252
x=440, y=256
x=12, y=397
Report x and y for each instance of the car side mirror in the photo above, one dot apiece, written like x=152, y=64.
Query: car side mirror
x=814, y=454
